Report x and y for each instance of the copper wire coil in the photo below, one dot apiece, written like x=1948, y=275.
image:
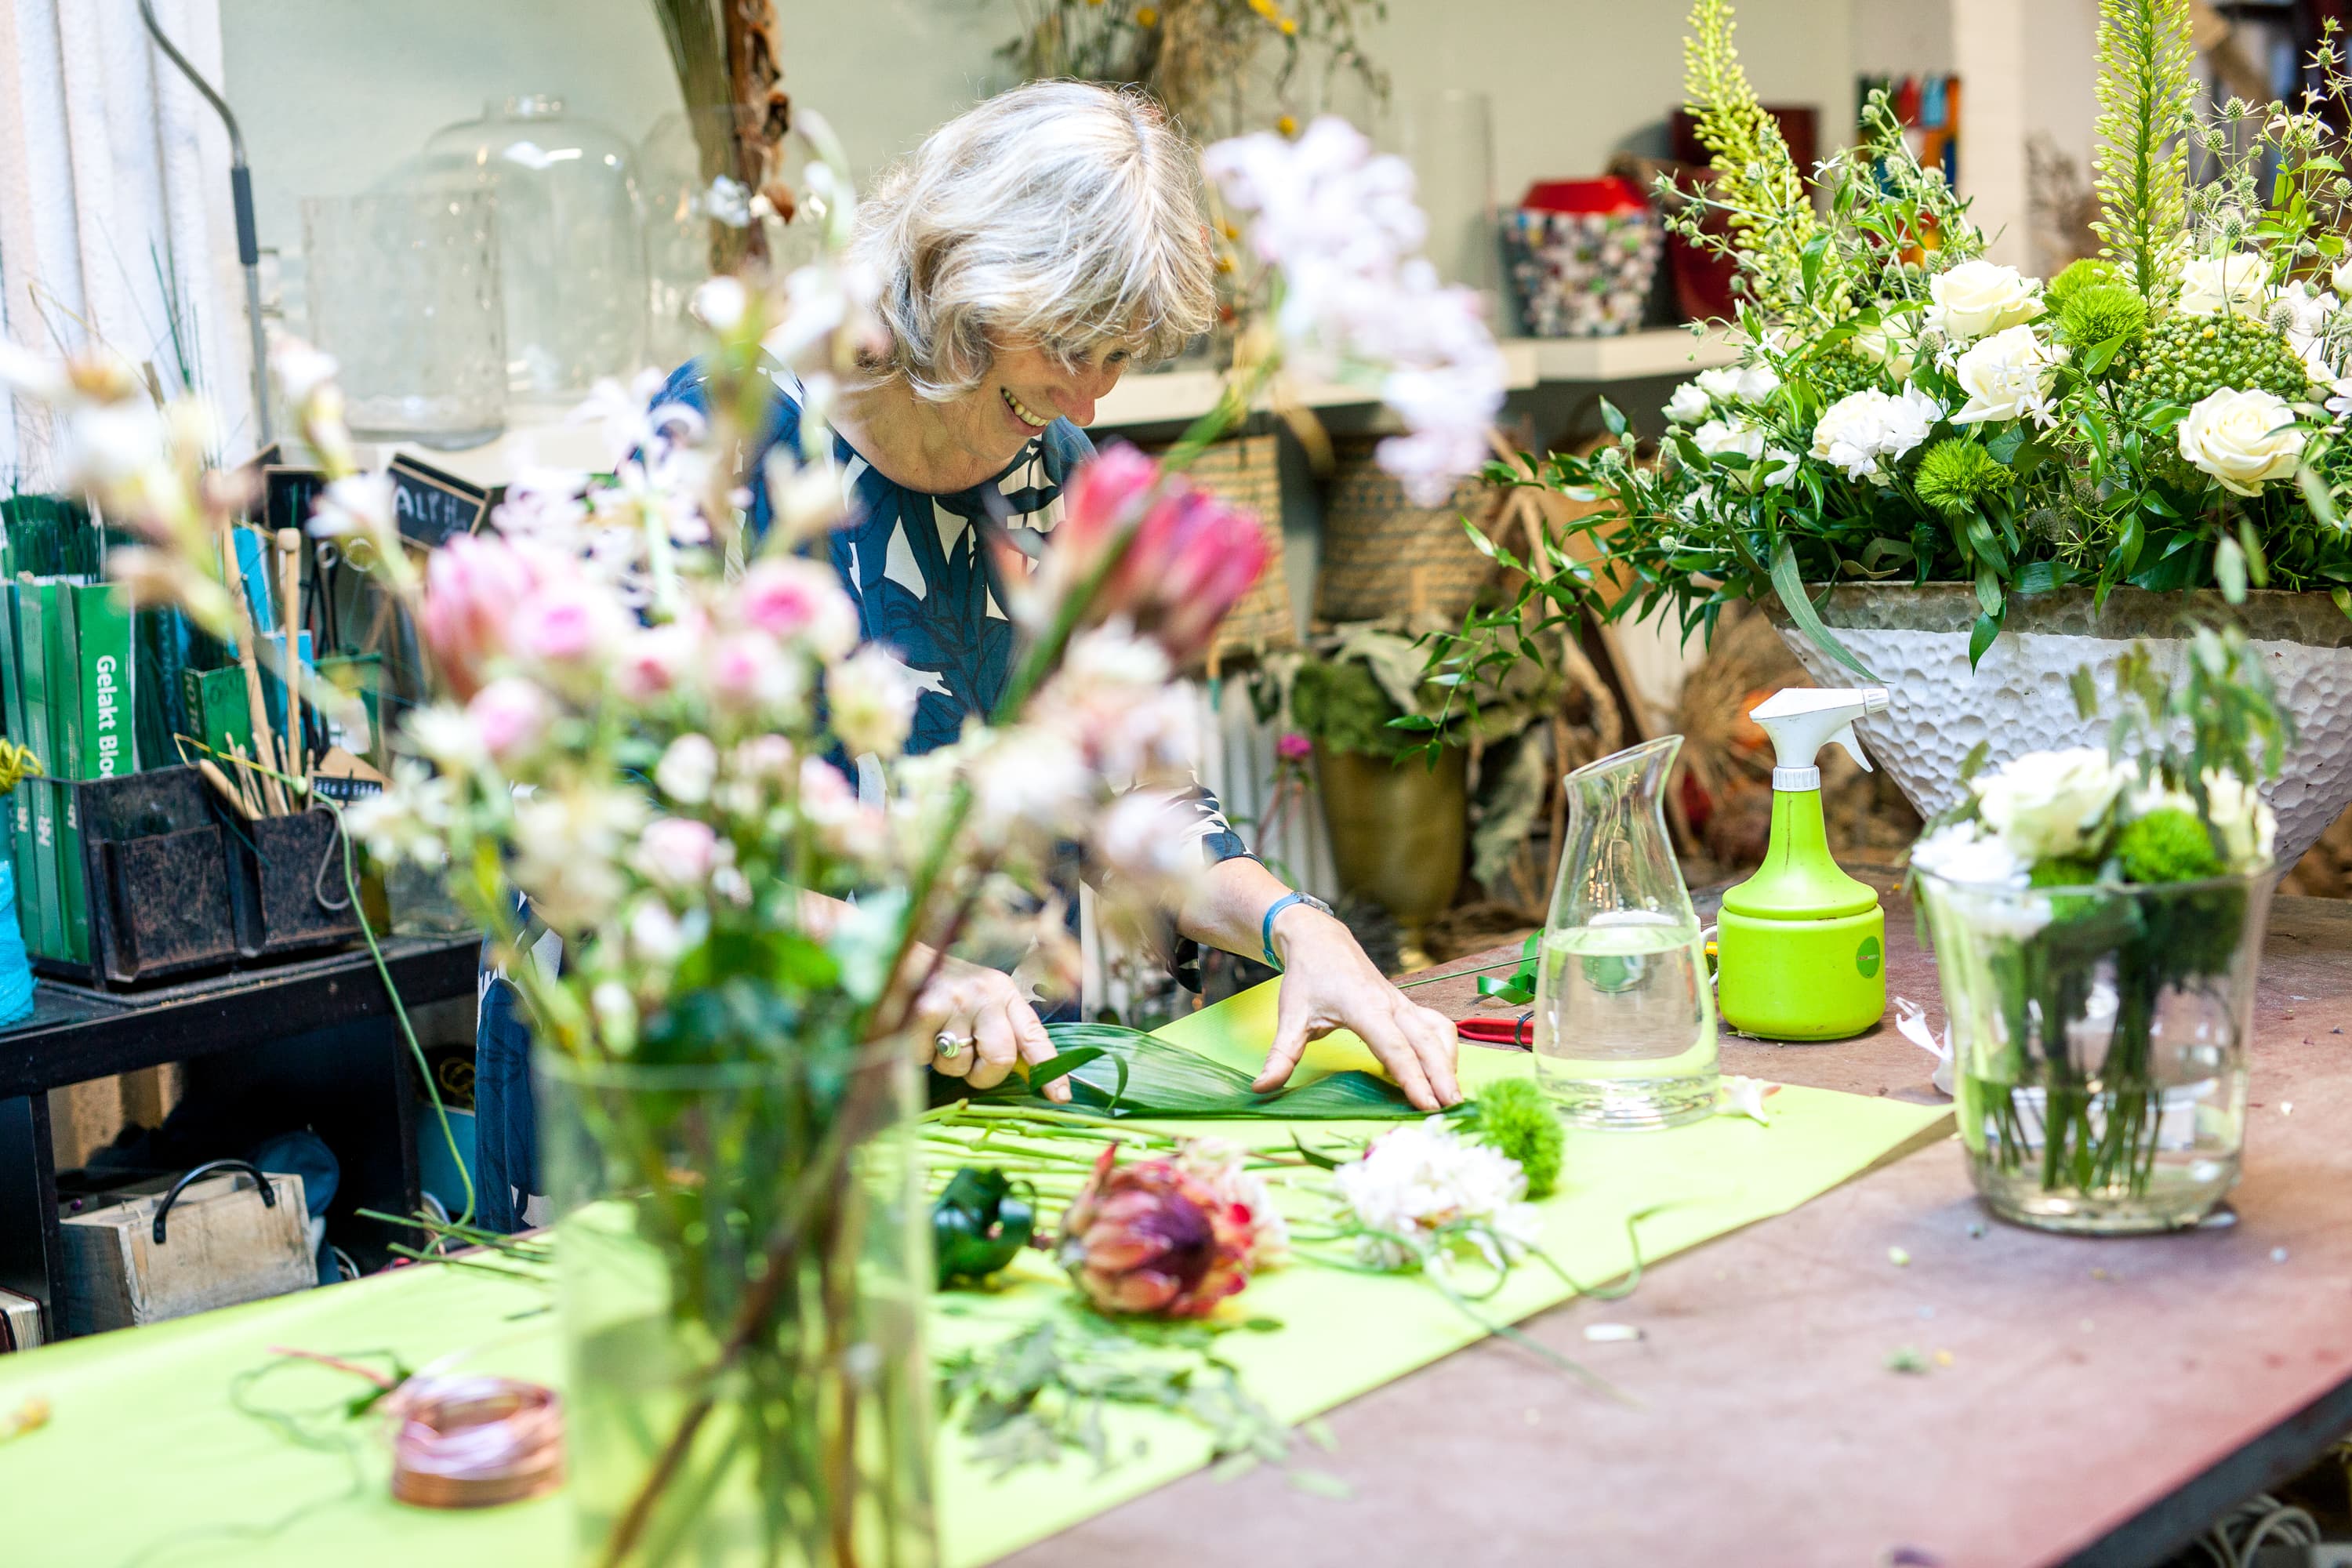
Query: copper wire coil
x=474, y=1441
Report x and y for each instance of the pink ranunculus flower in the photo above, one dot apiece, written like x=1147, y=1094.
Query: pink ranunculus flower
x=656, y=660
x=1293, y=747
x=510, y=716
x=677, y=852
x=567, y=624
x=796, y=599
x=747, y=672
x=472, y=586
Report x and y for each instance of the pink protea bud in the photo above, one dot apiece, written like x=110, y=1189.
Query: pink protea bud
x=1151, y=1239
x=472, y=586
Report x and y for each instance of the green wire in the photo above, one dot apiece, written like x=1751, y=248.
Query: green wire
x=424, y=1068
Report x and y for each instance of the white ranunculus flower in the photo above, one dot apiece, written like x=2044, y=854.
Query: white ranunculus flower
x=2242, y=438
x=1964, y=852
x=1980, y=298
x=1733, y=440
x=1689, y=404
x=2235, y=284
x=2043, y=803
x=1865, y=431
x=2009, y=376
x=2243, y=818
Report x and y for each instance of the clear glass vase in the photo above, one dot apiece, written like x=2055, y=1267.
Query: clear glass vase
x=2099, y=1044
x=403, y=291
x=572, y=253
x=743, y=1261
x=1624, y=1021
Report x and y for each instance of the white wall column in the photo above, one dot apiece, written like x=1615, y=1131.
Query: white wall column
x=1988, y=52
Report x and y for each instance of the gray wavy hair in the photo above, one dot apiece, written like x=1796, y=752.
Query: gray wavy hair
x=1060, y=213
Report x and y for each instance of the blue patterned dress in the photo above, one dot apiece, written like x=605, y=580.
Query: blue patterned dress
x=925, y=588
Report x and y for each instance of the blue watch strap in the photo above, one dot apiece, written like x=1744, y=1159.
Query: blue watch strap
x=1266, y=926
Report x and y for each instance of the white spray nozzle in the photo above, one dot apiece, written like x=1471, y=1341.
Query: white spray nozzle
x=1801, y=719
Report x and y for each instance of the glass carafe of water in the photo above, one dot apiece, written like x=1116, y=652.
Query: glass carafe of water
x=1625, y=1023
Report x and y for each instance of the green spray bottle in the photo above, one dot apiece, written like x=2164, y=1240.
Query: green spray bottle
x=1801, y=946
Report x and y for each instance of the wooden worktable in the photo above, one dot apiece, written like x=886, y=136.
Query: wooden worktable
x=2103, y=1401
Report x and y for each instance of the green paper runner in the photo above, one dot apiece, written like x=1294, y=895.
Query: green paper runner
x=151, y=1407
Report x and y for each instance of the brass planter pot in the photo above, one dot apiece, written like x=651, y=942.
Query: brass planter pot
x=1398, y=832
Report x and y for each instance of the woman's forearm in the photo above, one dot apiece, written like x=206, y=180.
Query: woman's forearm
x=1226, y=907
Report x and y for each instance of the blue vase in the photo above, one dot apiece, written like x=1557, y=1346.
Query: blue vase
x=15, y=973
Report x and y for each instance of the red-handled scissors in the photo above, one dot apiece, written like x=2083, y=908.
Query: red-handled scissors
x=1519, y=1031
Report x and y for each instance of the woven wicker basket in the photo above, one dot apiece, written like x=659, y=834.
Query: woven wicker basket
x=1385, y=559
x=1246, y=472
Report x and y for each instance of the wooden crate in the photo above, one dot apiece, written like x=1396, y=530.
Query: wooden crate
x=222, y=1246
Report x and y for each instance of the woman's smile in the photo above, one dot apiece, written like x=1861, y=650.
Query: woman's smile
x=1027, y=417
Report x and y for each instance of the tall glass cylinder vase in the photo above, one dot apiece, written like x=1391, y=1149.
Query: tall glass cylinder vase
x=2099, y=1044
x=403, y=291
x=571, y=250
x=743, y=1260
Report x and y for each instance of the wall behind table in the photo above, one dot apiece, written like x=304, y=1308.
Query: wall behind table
x=333, y=93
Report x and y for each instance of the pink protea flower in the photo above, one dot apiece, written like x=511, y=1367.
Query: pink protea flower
x=1151, y=1239
x=1192, y=559
x=472, y=586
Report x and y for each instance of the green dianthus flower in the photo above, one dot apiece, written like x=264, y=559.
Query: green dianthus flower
x=1514, y=1119
x=1957, y=474
x=2168, y=844
x=2100, y=314
x=2090, y=272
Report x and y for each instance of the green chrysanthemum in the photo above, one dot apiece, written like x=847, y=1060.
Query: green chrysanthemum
x=2090, y=272
x=2102, y=314
x=1956, y=475
x=2168, y=846
x=2184, y=359
x=1514, y=1119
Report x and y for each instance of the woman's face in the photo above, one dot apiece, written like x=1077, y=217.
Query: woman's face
x=1027, y=388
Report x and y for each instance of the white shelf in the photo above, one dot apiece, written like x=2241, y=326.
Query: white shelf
x=1169, y=397
x=1672, y=350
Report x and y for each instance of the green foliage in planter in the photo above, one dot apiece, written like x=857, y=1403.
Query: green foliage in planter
x=1341, y=705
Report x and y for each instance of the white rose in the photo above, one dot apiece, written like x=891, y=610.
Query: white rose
x=2008, y=377
x=1865, y=431
x=1721, y=384
x=1964, y=852
x=2340, y=280
x=1735, y=441
x=687, y=769
x=2210, y=285
x=1894, y=343
x=2243, y=818
x=1976, y=299
x=1750, y=384
x=1689, y=404
x=2242, y=438
x=2043, y=803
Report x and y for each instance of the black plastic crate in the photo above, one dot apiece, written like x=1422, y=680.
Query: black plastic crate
x=156, y=871
x=287, y=889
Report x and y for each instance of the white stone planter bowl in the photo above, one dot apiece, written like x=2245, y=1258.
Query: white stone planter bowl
x=1916, y=641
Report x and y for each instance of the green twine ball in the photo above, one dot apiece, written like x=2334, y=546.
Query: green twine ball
x=1514, y=1119
x=2090, y=272
x=2186, y=359
x=2168, y=844
x=2101, y=314
x=1957, y=474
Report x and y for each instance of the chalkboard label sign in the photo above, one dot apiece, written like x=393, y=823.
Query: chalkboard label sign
x=434, y=506
x=288, y=495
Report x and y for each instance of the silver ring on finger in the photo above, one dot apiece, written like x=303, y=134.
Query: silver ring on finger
x=950, y=1045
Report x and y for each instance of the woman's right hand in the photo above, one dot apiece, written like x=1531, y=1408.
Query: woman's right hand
x=973, y=1022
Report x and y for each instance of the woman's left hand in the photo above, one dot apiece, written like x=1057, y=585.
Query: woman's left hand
x=1327, y=984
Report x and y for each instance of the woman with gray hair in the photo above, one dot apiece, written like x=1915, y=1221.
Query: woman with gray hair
x=1029, y=253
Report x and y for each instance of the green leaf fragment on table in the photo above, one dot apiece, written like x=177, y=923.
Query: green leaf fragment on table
x=1132, y=1074
x=978, y=1225
x=1907, y=1359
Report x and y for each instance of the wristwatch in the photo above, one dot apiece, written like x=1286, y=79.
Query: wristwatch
x=1265, y=927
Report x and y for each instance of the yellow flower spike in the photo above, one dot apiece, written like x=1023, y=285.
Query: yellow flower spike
x=1287, y=125
x=1289, y=26
x=1147, y=17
